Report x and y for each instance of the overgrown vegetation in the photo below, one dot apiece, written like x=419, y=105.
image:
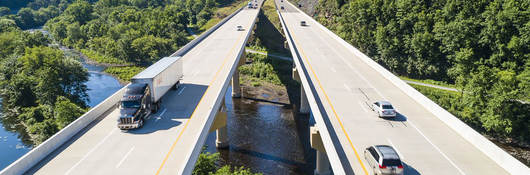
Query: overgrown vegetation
x=481, y=46
x=225, y=8
x=42, y=90
x=124, y=73
x=206, y=165
x=35, y=14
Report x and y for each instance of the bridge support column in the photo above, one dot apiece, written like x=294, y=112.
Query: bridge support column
x=236, y=88
x=304, y=104
x=219, y=126
x=322, y=165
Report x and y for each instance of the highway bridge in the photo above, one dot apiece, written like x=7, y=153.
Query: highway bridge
x=338, y=85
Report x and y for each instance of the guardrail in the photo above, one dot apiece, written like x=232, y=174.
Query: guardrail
x=38, y=153
x=331, y=152
x=505, y=160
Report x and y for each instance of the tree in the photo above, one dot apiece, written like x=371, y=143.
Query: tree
x=25, y=18
x=4, y=11
x=66, y=112
x=79, y=11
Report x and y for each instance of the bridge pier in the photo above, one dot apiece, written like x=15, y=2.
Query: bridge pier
x=304, y=104
x=322, y=164
x=236, y=88
x=219, y=126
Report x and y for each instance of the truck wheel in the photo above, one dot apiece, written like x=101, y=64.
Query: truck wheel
x=176, y=86
x=155, y=108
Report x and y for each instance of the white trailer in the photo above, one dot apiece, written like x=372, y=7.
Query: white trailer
x=161, y=77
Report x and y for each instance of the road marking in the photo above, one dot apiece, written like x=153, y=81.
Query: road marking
x=125, y=157
x=354, y=70
x=395, y=148
x=198, y=104
x=92, y=150
x=329, y=102
x=435, y=147
x=333, y=69
x=347, y=88
x=362, y=106
x=161, y=114
x=182, y=90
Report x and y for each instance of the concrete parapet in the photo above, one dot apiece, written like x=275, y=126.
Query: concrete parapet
x=40, y=152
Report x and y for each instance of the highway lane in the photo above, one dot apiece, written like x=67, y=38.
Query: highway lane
x=346, y=86
x=167, y=140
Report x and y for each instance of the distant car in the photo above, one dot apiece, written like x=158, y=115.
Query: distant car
x=303, y=23
x=240, y=28
x=281, y=7
x=383, y=159
x=249, y=4
x=281, y=0
x=384, y=109
x=299, y=5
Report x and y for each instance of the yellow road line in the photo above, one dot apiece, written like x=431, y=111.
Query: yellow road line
x=200, y=101
x=329, y=102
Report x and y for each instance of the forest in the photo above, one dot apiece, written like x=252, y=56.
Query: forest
x=480, y=46
x=43, y=90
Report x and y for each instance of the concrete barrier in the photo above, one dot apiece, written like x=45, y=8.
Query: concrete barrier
x=184, y=49
x=332, y=154
x=38, y=153
x=505, y=160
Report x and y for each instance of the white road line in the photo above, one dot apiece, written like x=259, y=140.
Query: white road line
x=347, y=88
x=395, y=148
x=124, y=157
x=351, y=67
x=92, y=150
x=182, y=90
x=333, y=69
x=435, y=147
x=161, y=114
x=362, y=106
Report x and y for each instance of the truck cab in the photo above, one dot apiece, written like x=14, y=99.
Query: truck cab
x=134, y=106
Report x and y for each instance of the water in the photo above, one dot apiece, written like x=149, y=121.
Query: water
x=265, y=137
x=13, y=144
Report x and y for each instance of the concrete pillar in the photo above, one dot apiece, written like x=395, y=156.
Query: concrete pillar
x=219, y=126
x=322, y=164
x=222, y=138
x=304, y=104
x=236, y=88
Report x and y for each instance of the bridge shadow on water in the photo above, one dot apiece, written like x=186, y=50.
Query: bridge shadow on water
x=177, y=106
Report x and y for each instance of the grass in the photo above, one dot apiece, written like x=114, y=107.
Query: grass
x=124, y=73
x=95, y=56
x=429, y=81
x=222, y=12
x=260, y=70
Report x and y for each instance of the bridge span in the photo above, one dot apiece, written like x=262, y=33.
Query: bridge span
x=171, y=140
x=345, y=83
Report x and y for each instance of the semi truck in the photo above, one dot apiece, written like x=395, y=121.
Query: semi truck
x=143, y=96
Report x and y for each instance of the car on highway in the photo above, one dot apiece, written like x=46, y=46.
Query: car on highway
x=383, y=160
x=249, y=5
x=303, y=23
x=281, y=7
x=240, y=28
x=384, y=109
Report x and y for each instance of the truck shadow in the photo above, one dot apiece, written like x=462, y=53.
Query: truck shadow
x=176, y=107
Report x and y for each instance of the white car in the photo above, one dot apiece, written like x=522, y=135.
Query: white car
x=384, y=109
x=240, y=28
x=383, y=160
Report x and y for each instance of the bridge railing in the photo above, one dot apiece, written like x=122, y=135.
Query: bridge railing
x=40, y=152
